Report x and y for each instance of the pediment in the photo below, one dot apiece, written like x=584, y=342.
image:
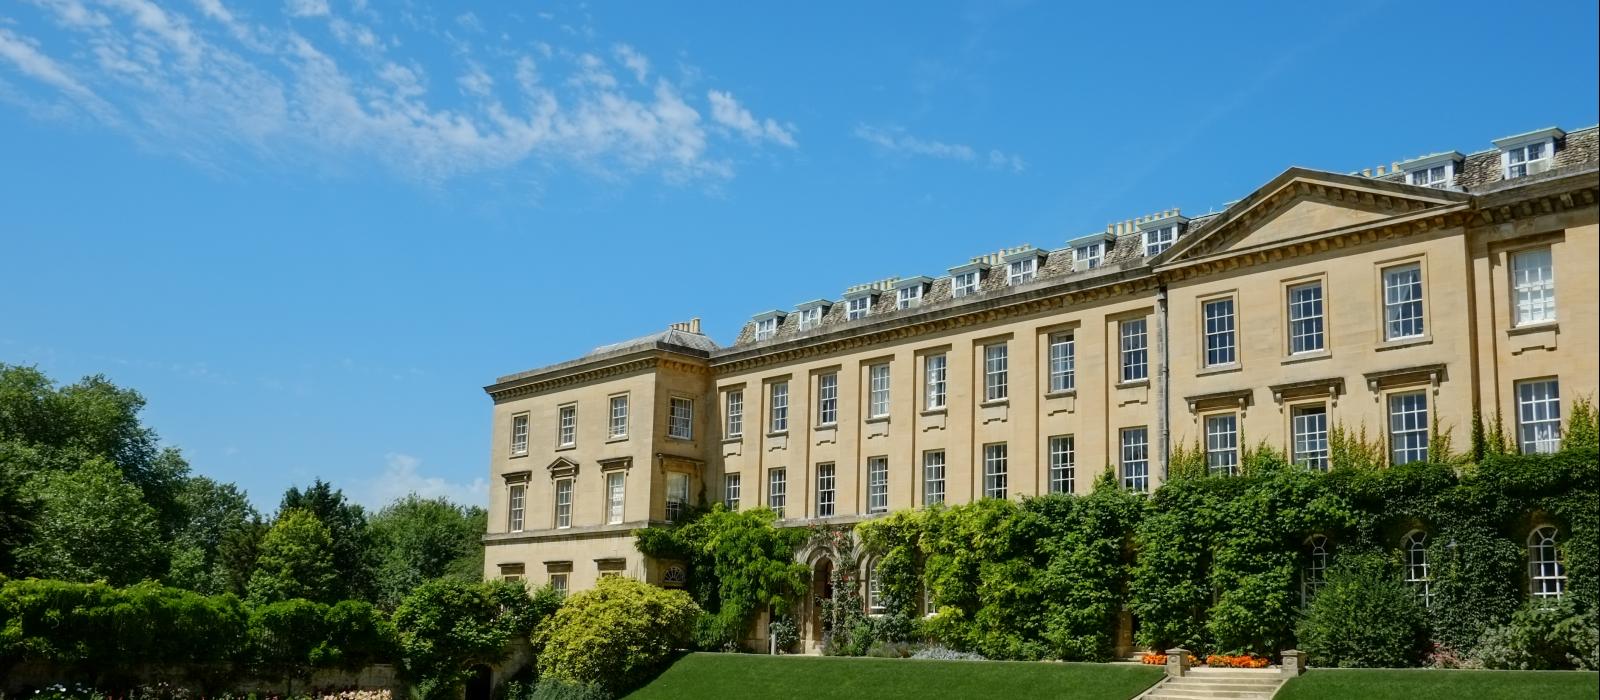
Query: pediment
x=1303, y=204
x=562, y=467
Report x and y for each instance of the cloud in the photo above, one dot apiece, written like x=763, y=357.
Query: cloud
x=402, y=476
x=208, y=84
x=895, y=140
x=727, y=111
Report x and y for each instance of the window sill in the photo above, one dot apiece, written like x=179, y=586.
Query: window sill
x=518, y=455
x=996, y=402
x=1219, y=369
x=1135, y=384
x=567, y=448
x=878, y=419
x=1404, y=343
x=933, y=411
x=733, y=438
x=778, y=433
x=1534, y=328
x=676, y=438
x=1062, y=394
x=1306, y=357
x=826, y=426
x=616, y=438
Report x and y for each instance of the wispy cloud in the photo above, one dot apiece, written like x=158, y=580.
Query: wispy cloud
x=894, y=140
x=402, y=475
x=211, y=83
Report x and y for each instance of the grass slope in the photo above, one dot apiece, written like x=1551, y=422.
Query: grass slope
x=1423, y=684
x=700, y=676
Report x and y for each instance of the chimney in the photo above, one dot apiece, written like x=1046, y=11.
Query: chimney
x=690, y=326
x=1366, y=172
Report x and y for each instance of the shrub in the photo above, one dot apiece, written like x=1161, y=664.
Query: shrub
x=1365, y=617
x=784, y=634
x=551, y=689
x=614, y=634
x=1543, y=635
x=447, y=626
x=937, y=652
x=95, y=626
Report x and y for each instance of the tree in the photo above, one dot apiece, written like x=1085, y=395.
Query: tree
x=1366, y=616
x=613, y=634
x=296, y=561
x=416, y=539
x=347, y=529
x=216, y=517
x=92, y=418
x=92, y=526
x=18, y=506
x=447, y=626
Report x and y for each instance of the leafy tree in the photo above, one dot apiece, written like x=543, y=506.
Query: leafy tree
x=18, y=506
x=447, y=626
x=92, y=418
x=92, y=526
x=419, y=539
x=296, y=561
x=347, y=529
x=614, y=634
x=1366, y=616
x=217, y=515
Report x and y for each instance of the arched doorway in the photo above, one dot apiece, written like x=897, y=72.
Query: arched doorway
x=821, y=590
x=481, y=685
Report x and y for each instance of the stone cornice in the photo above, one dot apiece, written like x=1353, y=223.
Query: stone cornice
x=579, y=372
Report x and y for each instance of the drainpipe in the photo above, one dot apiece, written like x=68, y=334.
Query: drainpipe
x=1163, y=379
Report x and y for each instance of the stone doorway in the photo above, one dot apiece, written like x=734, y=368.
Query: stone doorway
x=821, y=589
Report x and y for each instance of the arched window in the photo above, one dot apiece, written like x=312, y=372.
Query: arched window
x=874, y=591
x=1547, y=578
x=1315, y=573
x=1416, y=548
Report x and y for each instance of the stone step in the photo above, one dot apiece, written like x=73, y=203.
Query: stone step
x=1164, y=694
x=1241, y=686
x=1265, y=673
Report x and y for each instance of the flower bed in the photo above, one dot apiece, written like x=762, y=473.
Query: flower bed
x=1158, y=659
x=1244, y=661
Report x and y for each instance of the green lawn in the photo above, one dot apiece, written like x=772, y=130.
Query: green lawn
x=1424, y=684
x=700, y=676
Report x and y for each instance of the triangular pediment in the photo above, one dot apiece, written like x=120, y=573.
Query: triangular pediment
x=562, y=467
x=1302, y=204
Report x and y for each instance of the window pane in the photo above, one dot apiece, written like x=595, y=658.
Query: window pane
x=1222, y=445
x=877, y=484
x=1539, y=416
x=826, y=494
x=1135, y=459
x=1533, y=281
x=1305, y=318
x=1311, y=437
x=1062, y=362
x=935, y=381
x=1134, y=359
x=994, y=471
x=780, y=406
x=1062, y=464
x=994, y=372
x=933, y=477
x=828, y=398
x=1408, y=427
x=878, y=399
x=1220, y=344
x=1402, y=294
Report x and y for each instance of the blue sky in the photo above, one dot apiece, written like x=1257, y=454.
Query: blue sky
x=311, y=231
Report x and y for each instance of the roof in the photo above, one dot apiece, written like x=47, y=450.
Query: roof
x=671, y=337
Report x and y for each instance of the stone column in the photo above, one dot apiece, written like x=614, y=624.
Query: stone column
x=1177, y=662
x=1294, y=663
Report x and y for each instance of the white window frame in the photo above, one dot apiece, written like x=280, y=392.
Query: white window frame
x=1088, y=257
x=1063, y=464
x=874, y=601
x=933, y=464
x=810, y=318
x=1547, y=573
x=1409, y=427
x=1404, y=304
x=964, y=284
x=1533, y=287
x=563, y=498
x=731, y=490
x=878, y=390
x=677, y=495
x=519, y=435
x=878, y=484
x=1135, y=454
x=827, y=490
x=1063, y=362
x=778, y=490
x=567, y=426
x=517, y=507
x=936, y=374
x=1315, y=573
x=996, y=372
x=1219, y=325
x=1222, y=444
x=1021, y=271
x=778, y=403
x=1415, y=547
x=995, y=469
x=1309, y=428
x=908, y=297
x=1438, y=176
x=1158, y=240
x=1539, y=415
x=1306, y=312
x=1518, y=161
x=766, y=328
x=828, y=398
x=858, y=308
x=558, y=581
x=616, y=497
x=1133, y=350
x=733, y=413
x=680, y=418
x=618, y=427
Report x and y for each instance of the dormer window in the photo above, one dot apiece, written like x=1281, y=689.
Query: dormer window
x=1090, y=251
x=1437, y=171
x=1021, y=271
x=858, y=307
x=965, y=279
x=767, y=325
x=1528, y=154
x=810, y=318
x=1157, y=240
x=908, y=292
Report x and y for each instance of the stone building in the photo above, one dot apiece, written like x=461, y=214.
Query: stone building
x=1396, y=300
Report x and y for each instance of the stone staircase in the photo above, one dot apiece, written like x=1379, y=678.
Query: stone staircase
x=1230, y=683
